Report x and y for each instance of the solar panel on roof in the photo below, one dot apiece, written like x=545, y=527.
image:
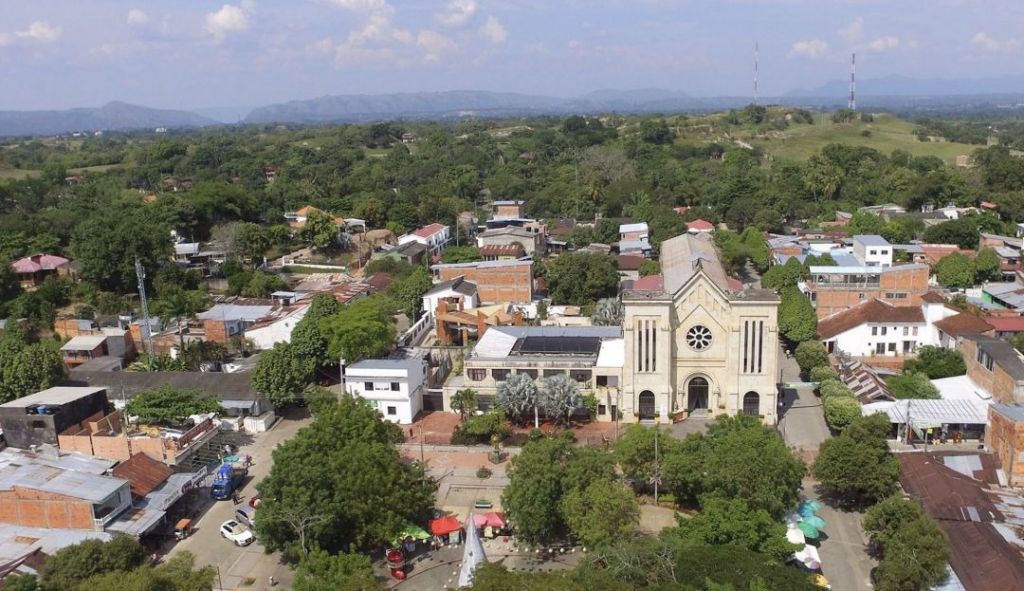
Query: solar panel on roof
x=558, y=345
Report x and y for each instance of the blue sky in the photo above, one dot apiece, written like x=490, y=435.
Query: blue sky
x=205, y=53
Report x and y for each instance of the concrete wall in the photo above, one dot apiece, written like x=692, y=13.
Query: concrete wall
x=1005, y=438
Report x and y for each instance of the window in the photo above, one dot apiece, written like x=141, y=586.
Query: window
x=602, y=409
x=914, y=332
x=985, y=359
x=394, y=386
x=392, y=411
x=874, y=331
x=884, y=330
x=906, y=330
x=895, y=295
x=530, y=372
x=368, y=386
x=500, y=375
x=874, y=252
x=646, y=346
x=753, y=346
x=476, y=374
x=892, y=347
x=698, y=338
x=879, y=348
x=38, y=424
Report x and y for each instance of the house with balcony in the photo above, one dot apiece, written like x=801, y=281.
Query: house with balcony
x=433, y=236
x=593, y=356
x=394, y=387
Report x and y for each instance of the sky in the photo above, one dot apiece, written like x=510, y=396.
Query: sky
x=57, y=54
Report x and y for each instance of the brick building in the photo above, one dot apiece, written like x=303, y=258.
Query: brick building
x=496, y=281
x=531, y=242
x=1005, y=438
x=37, y=419
x=994, y=365
x=508, y=209
x=834, y=289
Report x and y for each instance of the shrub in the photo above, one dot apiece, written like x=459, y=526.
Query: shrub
x=840, y=411
x=823, y=372
x=481, y=428
x=483, y=472
x=811, y=354
x=834, y=389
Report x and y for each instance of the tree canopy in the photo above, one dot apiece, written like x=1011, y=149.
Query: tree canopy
x=857, y=463
x=581, y=278
x=166, y=405
x=27, y=367
x=936, y=362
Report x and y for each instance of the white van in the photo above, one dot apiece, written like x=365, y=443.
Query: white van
x=246, y=515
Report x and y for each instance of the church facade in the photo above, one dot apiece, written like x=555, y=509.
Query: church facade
x=697, y=345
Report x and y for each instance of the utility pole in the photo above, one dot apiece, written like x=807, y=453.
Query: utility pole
x=656, y=477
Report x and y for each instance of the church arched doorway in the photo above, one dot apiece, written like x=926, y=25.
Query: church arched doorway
x=646, y=405
x=697, y=394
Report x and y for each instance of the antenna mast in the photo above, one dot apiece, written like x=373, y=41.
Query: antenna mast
x=756, y=52
x=852, y=105
x=147, y=328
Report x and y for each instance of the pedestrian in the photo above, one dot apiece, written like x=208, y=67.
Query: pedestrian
x=271, y=580
x=234, y=498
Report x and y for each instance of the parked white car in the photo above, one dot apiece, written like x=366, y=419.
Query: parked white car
x=237, y=533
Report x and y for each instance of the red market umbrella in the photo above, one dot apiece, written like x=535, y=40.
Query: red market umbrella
x=445, y=525
x=491, y=518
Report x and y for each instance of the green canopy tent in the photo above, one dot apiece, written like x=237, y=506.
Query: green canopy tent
x=411, y=530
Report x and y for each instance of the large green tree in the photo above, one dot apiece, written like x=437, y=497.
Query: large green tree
x=340, y=483
x=321, y=571
x=955, y=270
x=722, y=521
x=106, y=244
x=613, y=501
x=166, y=405
x=281, y=374
x=914, y=549
x=798, y=321
x=27, y=367
x=308, y=341
x=857, y=464
x=581, y=278
x=361, y=330
x=936, y=362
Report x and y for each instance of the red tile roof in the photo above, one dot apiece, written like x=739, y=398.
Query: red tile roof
x=933, y=297
x=1006, y=323
x=39, y=262
x=429, y=230
x=700, y=225
x=502, y=250
x=143, y=472
x=649, y=283
x=963, y=323
x=872, y=311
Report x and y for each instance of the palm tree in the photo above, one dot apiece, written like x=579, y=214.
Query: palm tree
x=464, y=401
x=178, y=307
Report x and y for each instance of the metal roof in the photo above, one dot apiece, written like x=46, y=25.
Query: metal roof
x=968, y=412
x=235, y=312
x=84, y=343
x=871, y=240
x=686, y=255
x=404, y=364
x=637, y=227
x=613, y=353
x=1012, y=411
x=18, y=540
x=484, y=264
x=540, y=345
x=17, y=472
x=57, y=395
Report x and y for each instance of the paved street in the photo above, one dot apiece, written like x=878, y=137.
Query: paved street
x=802, y=422
x=236, y=566
x=844, y=558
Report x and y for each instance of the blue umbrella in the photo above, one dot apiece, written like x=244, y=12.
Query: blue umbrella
x=815, y=521
x=807, y=511
x=814, y=505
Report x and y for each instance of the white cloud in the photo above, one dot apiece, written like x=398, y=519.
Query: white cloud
x=813, y=48
x=884, y=44
x=982, y=39
x=229, y=19
x=457, y=13
x=39, y=31
x=363, y=5
x=103, y=49
x=433, y=44
x=494, y=31
x=137, y=17
x=854, y=32
x=6, y=39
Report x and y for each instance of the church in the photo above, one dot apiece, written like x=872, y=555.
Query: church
x=699, y=345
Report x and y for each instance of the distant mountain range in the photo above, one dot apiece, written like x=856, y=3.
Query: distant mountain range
x=897, y=93
x=910, y=87
x=113, y=116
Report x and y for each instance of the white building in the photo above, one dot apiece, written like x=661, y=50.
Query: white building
x=279, y=330
x=434, y=236
x=455, y=289
x=872, y=250
x=878, y=328
x=392, y=386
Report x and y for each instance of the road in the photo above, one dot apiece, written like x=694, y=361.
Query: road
x=802, y=421
x=236, y=565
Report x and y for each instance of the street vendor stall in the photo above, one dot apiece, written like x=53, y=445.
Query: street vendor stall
x=446, y=529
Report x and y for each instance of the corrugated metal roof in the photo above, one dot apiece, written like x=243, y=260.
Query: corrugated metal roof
x=953, y=412
x=57, y=395
x=143, y=472
x=84, y=343
x=80, y=485
x=871, y=240
x=637, y=227
x=235, y=312
x=17, y=540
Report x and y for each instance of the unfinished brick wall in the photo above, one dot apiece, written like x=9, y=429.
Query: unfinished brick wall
x=32, y=508
x=496, y=284
x=1005, y=438
x=1001, y=384
x=913, y=282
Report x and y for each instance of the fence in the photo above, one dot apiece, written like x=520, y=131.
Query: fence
x=416, y=332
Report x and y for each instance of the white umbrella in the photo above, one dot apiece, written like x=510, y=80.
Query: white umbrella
x=795, y=536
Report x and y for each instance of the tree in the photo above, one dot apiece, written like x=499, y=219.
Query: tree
x=912, y=385
x=408, y=291
x=461, y=254
x=840, y=411
x=811, y=354
x=607, y=312
x=69, y=567
x=798, y=321
x=936, y=362
x=581, y=278
x=319, y=230
x=738, y=458
x=106, y=244
x=760, y=255
x=955, y=271
x=789, y=274
x=252, y=242
x=166, y=405
x=634, y=451
x=179, y=307
x=281, y=375
x=541, y=476
x=722, y=521
x=914, y=549
x=26, y=368
x=518, y=396
x=823, y=372
x=321, y=571
x=648, y=268
x=464, y=401
x=963, y=232
x=344, y=467
x=176, y=574
x=857, y=464
x=308, y=342
x=560, y=397
x=612, y=501
x=987, y=266
x=361, y=330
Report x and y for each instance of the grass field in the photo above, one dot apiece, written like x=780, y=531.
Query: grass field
x=16, y=174
x=888, y=133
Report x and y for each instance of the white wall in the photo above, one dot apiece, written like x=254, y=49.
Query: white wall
x=859, y=340
x=406, y=401
x=430, y=301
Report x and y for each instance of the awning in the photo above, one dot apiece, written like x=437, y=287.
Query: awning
x=411, y=530
x=445, y=525
x=136, y=521
x=492, y=519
